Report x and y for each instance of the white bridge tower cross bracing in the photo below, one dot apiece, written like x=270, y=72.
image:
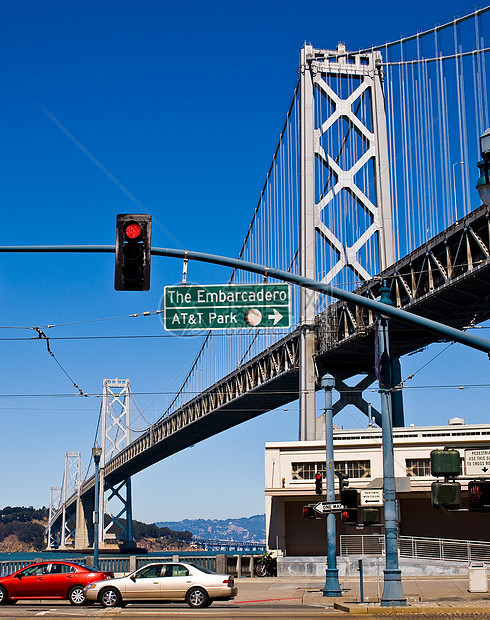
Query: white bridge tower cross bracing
x=322, y=71
x=115, y=436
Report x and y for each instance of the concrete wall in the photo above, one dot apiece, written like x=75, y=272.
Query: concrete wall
x=372, y=566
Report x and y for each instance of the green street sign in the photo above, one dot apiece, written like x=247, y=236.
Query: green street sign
x=227, y=306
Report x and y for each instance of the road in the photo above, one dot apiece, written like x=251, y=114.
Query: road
x=220, y=611
x=288, y=597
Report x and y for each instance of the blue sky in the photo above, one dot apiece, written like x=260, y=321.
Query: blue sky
x=183, y=104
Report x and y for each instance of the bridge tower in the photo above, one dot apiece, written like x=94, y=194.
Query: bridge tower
x=344, y=150
x=53, y=533
x=70, y=510
x=115, y=436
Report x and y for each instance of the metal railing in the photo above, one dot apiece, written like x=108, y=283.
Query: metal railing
x=10, y=566
x=120, y=565
x=205, y=561
x=418, y=547
x=362, y=544
x=117, y=565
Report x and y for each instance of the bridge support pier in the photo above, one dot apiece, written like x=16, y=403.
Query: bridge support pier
x=82, y=525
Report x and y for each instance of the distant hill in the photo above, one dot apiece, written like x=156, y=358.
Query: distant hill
x=22, y=528
x=243, y=529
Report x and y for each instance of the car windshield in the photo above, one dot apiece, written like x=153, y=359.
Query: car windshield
x=203, y=569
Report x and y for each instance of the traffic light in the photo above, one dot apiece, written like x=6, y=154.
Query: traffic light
x=349, y=516
x=133, y=252
x=318, y=484
x=349, y=498
x=446, y=495
x=308, y=512
x=445, y=463
x=370, y=516
x=479, y=494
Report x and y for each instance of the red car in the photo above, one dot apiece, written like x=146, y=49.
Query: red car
x=64, y=580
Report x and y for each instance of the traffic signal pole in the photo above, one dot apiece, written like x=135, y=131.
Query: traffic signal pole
x=393, y=595
x=448, y=333
x=332, y=586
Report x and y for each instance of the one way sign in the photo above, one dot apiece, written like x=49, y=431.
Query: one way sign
x=326, y=507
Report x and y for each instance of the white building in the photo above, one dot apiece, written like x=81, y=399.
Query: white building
x=290, y=469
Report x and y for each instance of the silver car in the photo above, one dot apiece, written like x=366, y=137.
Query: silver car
x=163, y=581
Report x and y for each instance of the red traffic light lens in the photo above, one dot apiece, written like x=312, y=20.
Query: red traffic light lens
x=132, y=230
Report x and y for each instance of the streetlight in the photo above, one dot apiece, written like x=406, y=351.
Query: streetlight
x=96, y=453
x=483, y=185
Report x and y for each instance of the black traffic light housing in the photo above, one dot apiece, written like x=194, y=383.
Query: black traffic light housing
x=349, y=498
x=318, y=484
x=446, y=495
x=370, y=516
x=348, y=516
x=133, y=252
x=479, y=494
x=309, y=512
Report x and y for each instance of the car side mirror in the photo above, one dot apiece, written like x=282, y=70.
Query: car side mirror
x=133, y=578
x=19, y=577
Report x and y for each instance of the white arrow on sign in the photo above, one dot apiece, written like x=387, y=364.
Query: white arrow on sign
x=323, y=507
x=276, y=317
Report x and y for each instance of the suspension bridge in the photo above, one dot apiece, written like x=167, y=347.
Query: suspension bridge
x=372, y=180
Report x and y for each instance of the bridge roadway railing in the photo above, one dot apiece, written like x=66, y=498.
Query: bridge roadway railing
x=238, y=565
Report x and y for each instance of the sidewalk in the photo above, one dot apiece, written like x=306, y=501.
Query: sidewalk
x=441, y=595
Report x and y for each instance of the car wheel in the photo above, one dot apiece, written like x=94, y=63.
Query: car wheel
x=197, y=597
x=110, y=597
x=76, y=595
x=4, y=597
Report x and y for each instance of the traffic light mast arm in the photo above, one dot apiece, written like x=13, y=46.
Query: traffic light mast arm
x=449, y=333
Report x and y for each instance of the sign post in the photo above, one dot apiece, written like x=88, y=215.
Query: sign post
x=227, y=306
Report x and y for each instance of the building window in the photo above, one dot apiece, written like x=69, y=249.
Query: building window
x=352, y=469
x=417, y=467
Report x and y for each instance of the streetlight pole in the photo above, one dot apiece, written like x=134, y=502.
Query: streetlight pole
x=393, y=595
x=96, y=453
x=332, y=586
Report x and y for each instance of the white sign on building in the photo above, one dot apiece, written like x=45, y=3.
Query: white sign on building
x=477, y=462
x=372, y=497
